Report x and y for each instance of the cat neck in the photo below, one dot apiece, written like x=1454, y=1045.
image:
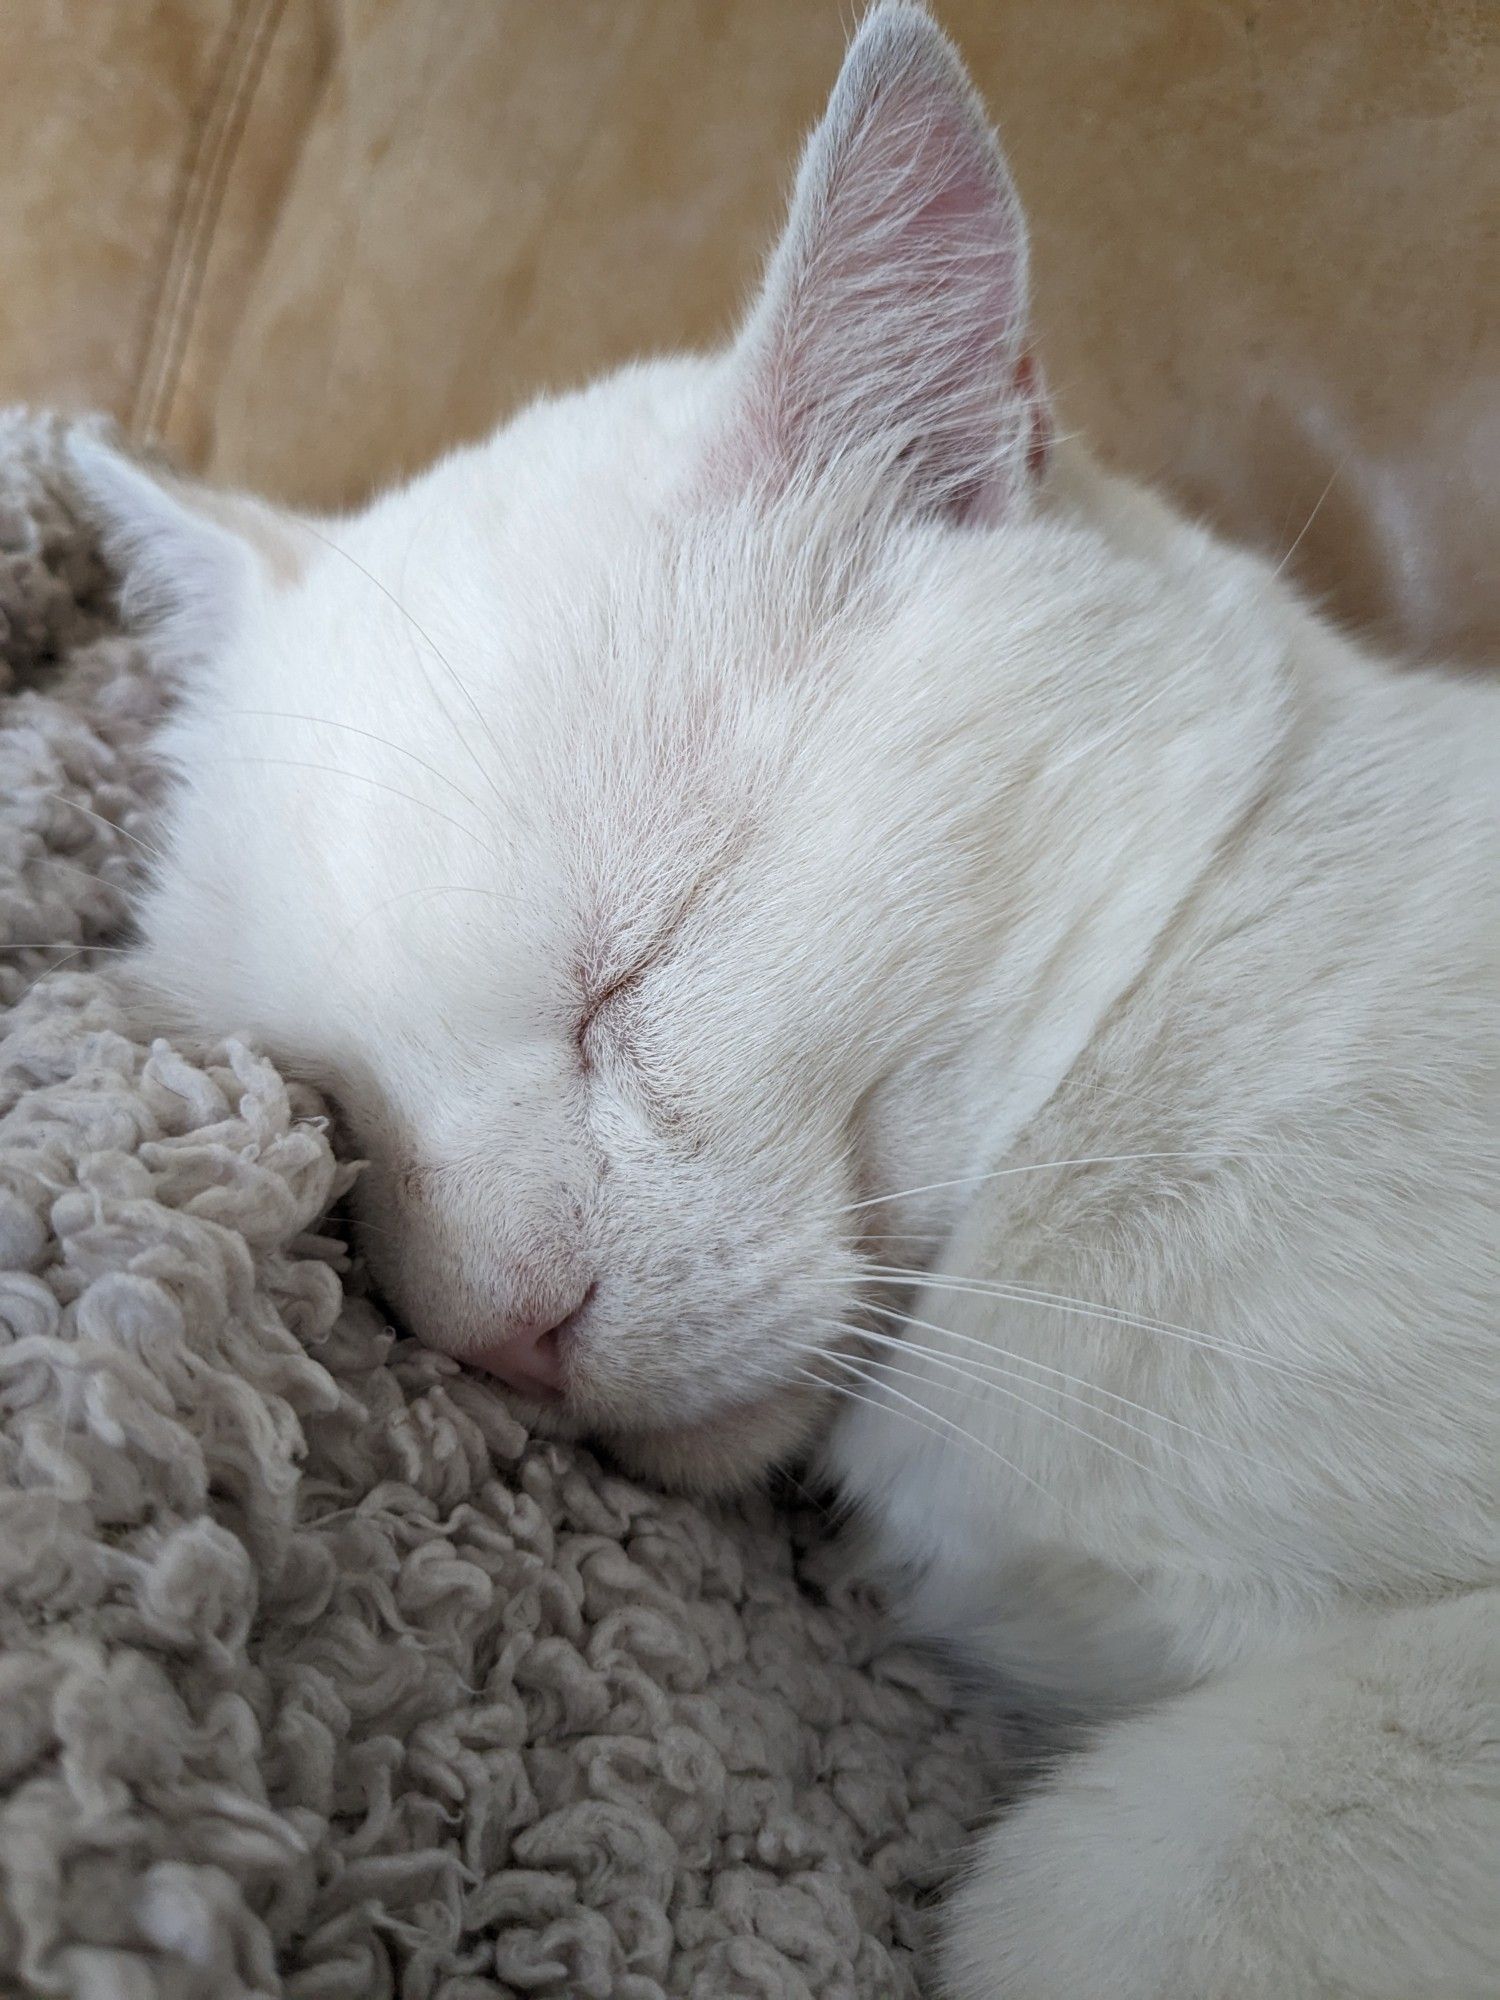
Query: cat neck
x=1145, y=785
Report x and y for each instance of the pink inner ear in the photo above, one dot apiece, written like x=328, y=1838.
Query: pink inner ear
x=893, y=323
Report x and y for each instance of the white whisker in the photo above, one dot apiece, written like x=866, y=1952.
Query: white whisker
x=353, y=729
x=151, y=853
x=1051, y=1416
x=948, y=1427
x=405, y=895
x=1079, y=1388
x=1316, y=510
x=427, y=639
x=363, y=778
x=1042, y=1167
x=1015, y=1294
x=62, y=944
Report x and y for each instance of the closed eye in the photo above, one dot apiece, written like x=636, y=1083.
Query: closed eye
x=595, y=1005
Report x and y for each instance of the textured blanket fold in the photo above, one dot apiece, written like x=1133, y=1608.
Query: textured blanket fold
x=318, y=1678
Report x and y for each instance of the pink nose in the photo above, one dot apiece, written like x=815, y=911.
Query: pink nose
x=530, y=1355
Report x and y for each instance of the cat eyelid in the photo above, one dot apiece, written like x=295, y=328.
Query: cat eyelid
x=595, y=1003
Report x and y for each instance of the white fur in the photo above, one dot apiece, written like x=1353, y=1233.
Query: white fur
x=900, y=815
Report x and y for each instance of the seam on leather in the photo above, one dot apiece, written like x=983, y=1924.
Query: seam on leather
x=195, y=153
x=209, y=159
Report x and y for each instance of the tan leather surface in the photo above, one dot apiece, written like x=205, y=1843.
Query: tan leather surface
x=311, y=242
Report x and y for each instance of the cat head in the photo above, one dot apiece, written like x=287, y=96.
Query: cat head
x=608, y=819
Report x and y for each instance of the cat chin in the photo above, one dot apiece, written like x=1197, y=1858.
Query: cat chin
x=728, y=1453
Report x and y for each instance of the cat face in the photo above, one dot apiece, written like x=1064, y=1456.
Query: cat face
x=608, y=819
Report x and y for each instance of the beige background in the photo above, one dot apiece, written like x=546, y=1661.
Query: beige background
x=310, y=242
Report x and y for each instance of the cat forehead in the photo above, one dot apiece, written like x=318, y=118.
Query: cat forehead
x=582, y=542
x=562, y=472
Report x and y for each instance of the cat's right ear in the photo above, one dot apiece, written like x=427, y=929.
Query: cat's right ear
x=187, y=557
x=891, y=338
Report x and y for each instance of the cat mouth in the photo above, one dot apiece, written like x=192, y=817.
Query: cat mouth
x=734, y=1448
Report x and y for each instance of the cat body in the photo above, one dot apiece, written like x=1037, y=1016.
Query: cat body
x=1259, y=1127
x=1272, y=1408
x=839, y=925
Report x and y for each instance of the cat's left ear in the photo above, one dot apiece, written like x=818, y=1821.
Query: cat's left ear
x=891, y=336
x=188, y=557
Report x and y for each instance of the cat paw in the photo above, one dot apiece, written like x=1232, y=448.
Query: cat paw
x=1326, y=1824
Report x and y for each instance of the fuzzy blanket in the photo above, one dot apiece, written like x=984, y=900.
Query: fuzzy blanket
x=318, y=1678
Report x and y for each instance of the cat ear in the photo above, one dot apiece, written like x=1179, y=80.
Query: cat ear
x=188, y=558
x=893, y=322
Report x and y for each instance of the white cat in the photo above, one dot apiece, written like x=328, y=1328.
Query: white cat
x=816, y=901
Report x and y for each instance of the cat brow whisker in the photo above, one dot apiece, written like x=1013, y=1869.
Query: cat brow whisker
x=120, y=888
x=151, y=853
x=1316, y=510
x=58, y=963
x=1046, y=1166
x=452, y=671
x=427, y=639
x=404, y=895
x=331, y=722
x=62, y=944
x=363, y=778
